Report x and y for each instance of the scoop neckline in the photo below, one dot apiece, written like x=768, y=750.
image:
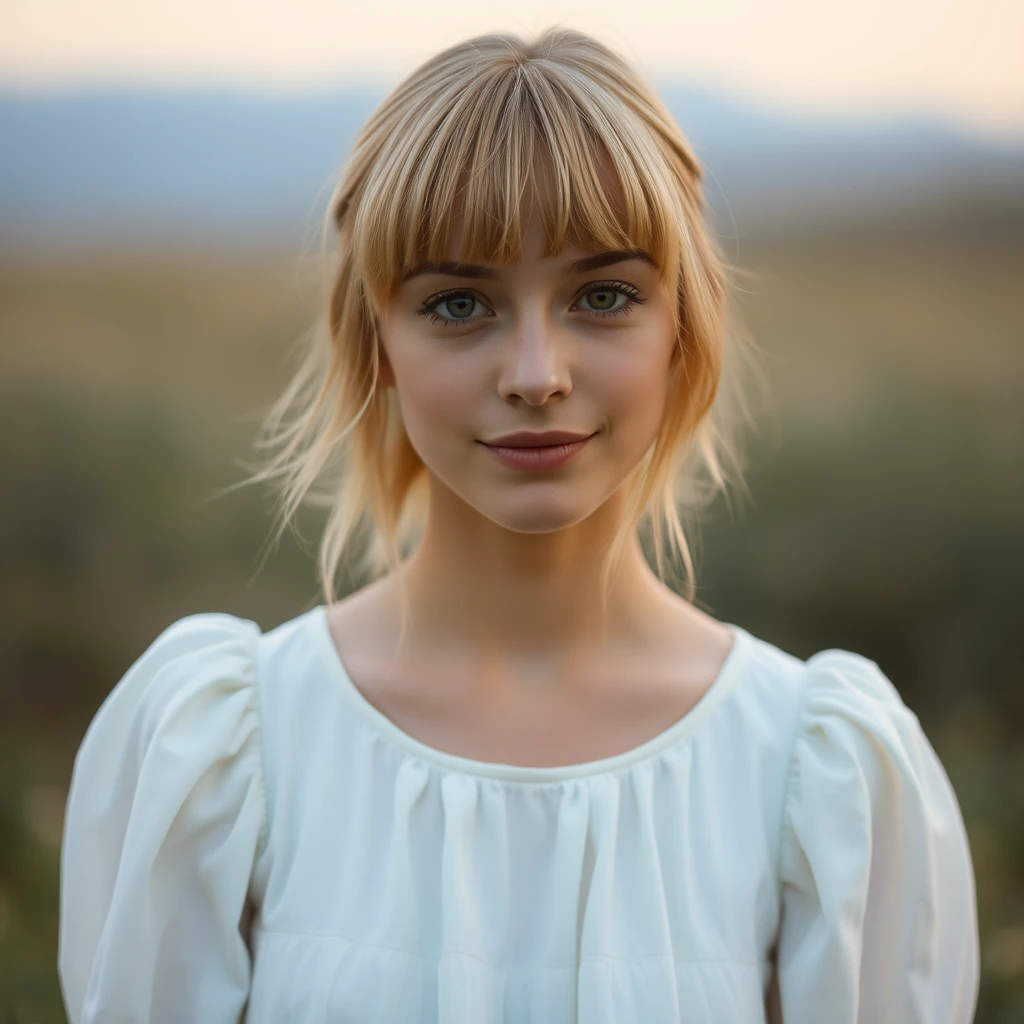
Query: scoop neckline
x=456, y=763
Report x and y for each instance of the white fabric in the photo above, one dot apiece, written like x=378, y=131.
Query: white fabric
x=247, y=838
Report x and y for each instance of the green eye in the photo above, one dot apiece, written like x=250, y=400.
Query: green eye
x=602, y=300
x=459, y=307
x=451, y=308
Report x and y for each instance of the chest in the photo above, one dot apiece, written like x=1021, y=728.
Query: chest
x=397, y=893
x=392, y=890
x=539, y=715
x=538, y=729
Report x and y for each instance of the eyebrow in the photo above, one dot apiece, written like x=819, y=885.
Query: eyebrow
x=580, y=266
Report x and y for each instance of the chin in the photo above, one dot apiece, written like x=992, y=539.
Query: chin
x=535, y=514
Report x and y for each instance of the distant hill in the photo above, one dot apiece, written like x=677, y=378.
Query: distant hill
x=230, y=166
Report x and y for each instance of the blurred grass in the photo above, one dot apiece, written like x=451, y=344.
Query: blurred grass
x=887, y=516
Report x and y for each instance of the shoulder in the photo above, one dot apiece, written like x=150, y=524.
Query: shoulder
x=200, y=637
x=841, y=678
x=190, y=694
x=203, y=653
x=181, y=725
x=851, y=710
x=832, y=688
x=211, y=640
x=834, y=720
x=862, y=763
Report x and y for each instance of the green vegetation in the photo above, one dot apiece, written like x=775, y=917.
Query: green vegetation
x=887, y=515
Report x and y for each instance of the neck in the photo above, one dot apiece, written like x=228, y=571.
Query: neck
x=529, y=598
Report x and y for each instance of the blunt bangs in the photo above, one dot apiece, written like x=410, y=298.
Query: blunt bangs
x=474, y=158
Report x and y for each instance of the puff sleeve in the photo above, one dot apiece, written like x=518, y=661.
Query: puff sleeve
x=879, y=920
x=164, y=817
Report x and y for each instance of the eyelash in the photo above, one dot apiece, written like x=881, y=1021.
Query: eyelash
x=427, y=309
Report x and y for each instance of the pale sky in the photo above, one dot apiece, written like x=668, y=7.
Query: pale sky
x=959, y=59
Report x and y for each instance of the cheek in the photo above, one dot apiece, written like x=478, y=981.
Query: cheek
x=436, y=392
x=633, y=383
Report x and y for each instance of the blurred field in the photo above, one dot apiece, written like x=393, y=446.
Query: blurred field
x=887, y=517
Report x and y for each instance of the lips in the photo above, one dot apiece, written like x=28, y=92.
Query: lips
x=534, y=439
x=537, y=458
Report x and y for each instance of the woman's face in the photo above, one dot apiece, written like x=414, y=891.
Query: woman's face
x=578, y=342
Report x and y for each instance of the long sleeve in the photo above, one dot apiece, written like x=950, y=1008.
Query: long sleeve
x=879, y=920
x=164, y=818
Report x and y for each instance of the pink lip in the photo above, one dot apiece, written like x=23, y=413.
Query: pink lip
x=533, y=459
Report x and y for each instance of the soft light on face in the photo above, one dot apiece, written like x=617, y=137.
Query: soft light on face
x=476, y=353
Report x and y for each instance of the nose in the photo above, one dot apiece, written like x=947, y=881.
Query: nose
x=536, y=360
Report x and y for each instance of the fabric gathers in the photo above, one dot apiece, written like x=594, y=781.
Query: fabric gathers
x=248, y=838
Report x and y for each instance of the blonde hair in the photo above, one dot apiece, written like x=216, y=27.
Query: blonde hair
x=465, y=135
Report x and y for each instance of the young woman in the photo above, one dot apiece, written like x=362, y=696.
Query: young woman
x=516, y=777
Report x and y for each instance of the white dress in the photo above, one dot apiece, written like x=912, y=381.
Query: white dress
x=247, y=838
